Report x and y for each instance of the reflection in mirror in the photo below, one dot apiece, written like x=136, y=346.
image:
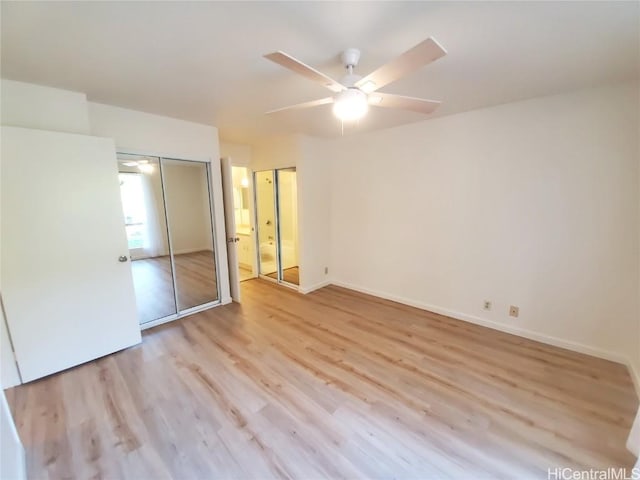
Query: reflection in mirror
x=186, y=188
x=242, y=217
x=145, y=220
x=288, y=225
x=266, y=222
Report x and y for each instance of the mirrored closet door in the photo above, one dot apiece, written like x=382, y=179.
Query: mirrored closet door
x=276, y=199
x=186, y=187
x=168, y=218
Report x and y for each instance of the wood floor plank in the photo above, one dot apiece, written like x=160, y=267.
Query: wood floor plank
x=334, y=384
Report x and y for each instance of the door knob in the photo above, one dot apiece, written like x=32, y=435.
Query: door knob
x=123, y=258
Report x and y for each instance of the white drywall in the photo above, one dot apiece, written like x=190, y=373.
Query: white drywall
x=43, y=108
x=314, y=213
x=533, y=204
x=138, y=132
x=275, y=152
x=240, y=154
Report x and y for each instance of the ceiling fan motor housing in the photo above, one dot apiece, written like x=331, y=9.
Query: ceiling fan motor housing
x=350, y=57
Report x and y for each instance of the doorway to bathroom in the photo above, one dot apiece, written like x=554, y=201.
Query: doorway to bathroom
x=276, y=201
x=242, y=215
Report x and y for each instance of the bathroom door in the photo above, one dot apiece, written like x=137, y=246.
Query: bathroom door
x=66, y=279
x=230, y=227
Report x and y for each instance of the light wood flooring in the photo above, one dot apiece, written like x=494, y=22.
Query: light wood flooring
x=195, y=279
x=334, y=384
x=289, y=275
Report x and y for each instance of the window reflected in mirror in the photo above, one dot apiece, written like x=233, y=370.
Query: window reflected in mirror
x=147, y=236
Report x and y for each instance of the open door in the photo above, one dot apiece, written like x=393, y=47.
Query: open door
x=230, y=227
x=66, y=275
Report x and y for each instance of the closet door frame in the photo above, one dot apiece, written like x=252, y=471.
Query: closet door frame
x=205, y=306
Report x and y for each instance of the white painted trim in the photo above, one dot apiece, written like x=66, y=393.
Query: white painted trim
x=317, y=286
x=16, y=467
x=160, y=321
x=167, y=156
x=635, y=375
x=521, y=332
x=633, y=440
x=226, y=301
x=184, y=313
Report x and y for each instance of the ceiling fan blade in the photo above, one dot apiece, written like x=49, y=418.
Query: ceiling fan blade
x=418, y=56
x=389, y=100
x=312, y=103
x=287, y=61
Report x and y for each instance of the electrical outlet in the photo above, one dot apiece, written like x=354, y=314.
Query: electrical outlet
x=487, y=305
x=514, y=311
x=326, y=270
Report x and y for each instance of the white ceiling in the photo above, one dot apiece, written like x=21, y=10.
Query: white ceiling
x=203, y=61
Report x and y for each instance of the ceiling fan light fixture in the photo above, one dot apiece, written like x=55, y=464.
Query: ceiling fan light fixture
x=350, y=105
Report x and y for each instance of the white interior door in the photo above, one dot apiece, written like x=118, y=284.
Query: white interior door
x=230, y=227
x=68, y=296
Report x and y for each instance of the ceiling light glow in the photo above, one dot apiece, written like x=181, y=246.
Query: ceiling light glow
x=350, y=105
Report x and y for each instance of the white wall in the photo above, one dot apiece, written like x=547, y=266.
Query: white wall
x=43, y=108
x=138, y=132
x=275, y=152
x=240, y=154
x=314, y=213
x=533, y=204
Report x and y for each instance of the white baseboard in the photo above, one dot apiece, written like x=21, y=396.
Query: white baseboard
x=226, y=300
x=317, y=286
x=521, y=332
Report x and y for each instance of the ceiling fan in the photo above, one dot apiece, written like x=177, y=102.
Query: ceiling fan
x=353, y=94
